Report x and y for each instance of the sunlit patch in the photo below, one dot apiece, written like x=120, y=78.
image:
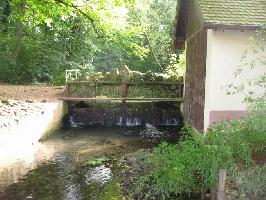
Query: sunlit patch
x=19, y=143
x=71, y=192
x=100, y=175
x=19, y=139
x=16, y=161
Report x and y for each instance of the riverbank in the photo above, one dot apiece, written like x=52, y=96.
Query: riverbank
x=27, y=114
x=18, y=102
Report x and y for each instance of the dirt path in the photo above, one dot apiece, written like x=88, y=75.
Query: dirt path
x=30, y=93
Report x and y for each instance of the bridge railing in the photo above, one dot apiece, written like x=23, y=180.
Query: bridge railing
x=116, y=89
x=71, y=74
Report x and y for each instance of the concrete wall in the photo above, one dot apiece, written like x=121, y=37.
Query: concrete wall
x=224, y=53
x=34, y=126
x=55, y=113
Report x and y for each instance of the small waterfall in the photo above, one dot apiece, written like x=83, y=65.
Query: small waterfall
x=149, y=126
x=124, y=117
x=133, y=121
x=72, y=122
x=128, y=122
x=170, y=122
x=137, y=121
x=176, y=121
x=119, y=122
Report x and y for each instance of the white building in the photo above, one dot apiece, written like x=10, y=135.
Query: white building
x=215, y=35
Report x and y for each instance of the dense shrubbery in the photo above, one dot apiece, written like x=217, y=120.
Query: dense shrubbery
x=194, y=163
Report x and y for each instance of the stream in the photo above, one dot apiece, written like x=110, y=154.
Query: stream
x=54, y=168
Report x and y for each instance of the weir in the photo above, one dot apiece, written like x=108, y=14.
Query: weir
x=124, y=102
x=130, y=114
x=144, y=103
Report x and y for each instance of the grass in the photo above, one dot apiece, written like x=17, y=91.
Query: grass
x=94, y=162
x=112, y=191
x=6, y=102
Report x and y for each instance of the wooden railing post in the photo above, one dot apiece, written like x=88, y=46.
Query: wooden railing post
x=95, y=88
x=221, y=185
x=67, y=88
x=123, y=89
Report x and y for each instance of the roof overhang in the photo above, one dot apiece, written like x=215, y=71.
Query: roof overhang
x=232, y=27
x=182, y=13
x=182, y=17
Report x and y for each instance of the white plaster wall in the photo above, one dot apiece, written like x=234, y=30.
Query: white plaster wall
x=224, y=53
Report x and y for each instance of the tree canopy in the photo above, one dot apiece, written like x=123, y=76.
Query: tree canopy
x=40, y=39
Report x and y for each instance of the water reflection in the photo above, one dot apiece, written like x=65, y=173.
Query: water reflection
x=17, y=160
x=52, y=169
x=100, y=174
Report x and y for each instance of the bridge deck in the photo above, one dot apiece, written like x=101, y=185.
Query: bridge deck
x=153, y=91
x=122, y=99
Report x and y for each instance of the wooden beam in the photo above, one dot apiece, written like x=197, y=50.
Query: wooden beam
x=126, y=82
x=122, y=99
x=232, y=27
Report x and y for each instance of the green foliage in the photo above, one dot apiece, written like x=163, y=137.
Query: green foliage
x=112, y=191
x=233, y=135
x=183, y=167
x=127, y=75
x=250, y=182
x=39, y=40
x=6, y=102
x=95, y=162
x=155, y=19
x=176, y=66
x=194, y=163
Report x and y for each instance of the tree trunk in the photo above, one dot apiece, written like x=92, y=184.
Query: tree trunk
x=203, y=194
x=19, y=35
x=5, y=15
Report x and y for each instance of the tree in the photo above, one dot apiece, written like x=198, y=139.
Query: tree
x=40, y=39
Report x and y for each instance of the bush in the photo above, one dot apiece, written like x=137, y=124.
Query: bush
x=187, y=166
x=194, y=163
x=249, y=183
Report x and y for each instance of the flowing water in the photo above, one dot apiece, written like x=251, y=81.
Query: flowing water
x=52, y=169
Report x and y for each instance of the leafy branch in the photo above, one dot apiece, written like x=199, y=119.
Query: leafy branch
x=78, y=9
